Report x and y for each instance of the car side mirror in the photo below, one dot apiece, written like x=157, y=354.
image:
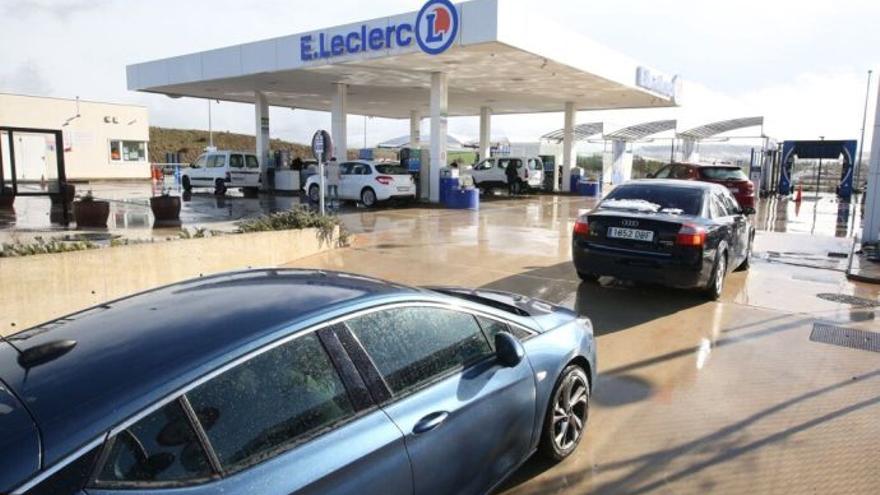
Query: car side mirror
x=510, y=352
x=748, y=211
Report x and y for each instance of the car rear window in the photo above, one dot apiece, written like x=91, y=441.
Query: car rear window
x=655, y=199
x=722, y=173
x=391, y=169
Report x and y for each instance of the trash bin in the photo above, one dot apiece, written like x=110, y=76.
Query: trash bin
x=576, y=174
x=589, y=188
x=447, y=186
x=463, y=199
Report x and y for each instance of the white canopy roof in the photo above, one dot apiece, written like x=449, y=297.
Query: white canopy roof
x=504, y=56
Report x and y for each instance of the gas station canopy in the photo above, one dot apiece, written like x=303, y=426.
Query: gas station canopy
x=641, y=131
x=715, y=128
x=581, y=132
x=501, y=56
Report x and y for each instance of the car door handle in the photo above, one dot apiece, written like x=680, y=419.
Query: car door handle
x=430, y=422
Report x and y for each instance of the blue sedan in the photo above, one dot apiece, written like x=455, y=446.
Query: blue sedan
x=292, y=381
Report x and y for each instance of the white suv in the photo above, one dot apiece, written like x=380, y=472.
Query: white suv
x=368, y=182
x=221, y=170
x=492, y=172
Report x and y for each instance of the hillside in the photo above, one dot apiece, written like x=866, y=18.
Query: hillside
x=191, y=143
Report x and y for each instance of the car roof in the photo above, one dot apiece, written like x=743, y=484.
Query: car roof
x=708, y=165
x=677, y=183
x=136, y=350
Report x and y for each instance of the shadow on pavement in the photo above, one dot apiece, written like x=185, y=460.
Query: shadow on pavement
x=612, y=305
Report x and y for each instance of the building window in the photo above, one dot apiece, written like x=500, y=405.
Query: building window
x=128, y=151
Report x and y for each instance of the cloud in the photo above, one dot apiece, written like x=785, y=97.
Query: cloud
x=61, y=10
x=26, y=78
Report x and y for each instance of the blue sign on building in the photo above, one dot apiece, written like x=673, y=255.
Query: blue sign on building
x=434, y=30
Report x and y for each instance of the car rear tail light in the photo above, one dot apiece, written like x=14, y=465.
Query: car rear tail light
x=581, y=228
x=228, y=176
x=691, y=236
x=750, y=186
x=384, y=179
x=527, y=173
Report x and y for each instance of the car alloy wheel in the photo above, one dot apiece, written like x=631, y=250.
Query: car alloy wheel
x=570, y=411
x=718, y=277
x=566, y=415
x=314, y=194
x=368, y=197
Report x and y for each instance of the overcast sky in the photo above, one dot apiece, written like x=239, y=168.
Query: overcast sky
x=801, y=64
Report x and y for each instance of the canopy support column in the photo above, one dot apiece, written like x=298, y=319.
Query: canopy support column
x=621, y=163
x=339, y=122
x=567, y=147
x=689, y=150
x=871, y=231
x=415, y=121
x=261, y=123
x=485, y=132
x=439, y=116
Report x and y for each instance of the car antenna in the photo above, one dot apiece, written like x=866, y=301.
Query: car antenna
x=44, y=353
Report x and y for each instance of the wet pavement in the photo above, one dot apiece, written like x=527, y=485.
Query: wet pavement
x=692, y=396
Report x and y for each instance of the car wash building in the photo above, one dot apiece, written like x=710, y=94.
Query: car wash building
x=477, y=58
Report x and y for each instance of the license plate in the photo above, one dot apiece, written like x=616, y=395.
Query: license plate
x=402, y=189
x=631, y=234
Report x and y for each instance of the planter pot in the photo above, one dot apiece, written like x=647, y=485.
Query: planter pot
x=166, y=209
x=7, y=197
x=66, y=195
x=91, y=213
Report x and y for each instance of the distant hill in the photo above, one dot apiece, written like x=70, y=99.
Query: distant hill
x=190, y=143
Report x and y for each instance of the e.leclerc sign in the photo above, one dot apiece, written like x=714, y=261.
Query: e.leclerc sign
x=434, y=30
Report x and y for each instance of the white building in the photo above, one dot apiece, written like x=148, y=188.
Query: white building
x=101, y=140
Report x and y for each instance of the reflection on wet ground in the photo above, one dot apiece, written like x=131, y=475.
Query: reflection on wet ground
x=130, y=214
x=692, y=396
x=825, y=214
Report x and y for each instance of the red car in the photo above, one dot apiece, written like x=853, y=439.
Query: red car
x=730, y=176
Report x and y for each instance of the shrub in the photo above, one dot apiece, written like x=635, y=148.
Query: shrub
x=299, y=217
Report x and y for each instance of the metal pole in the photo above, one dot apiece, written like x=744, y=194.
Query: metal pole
x=321, y=184
x=819, y=175
x=672, y=151
x=365, y=132
x=210, y=127
x=864, y=123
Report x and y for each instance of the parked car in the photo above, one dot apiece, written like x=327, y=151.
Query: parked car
x=729, y=176
x=322, y=382
x=681, y=234
x=491, y=173
x=221, y=170
x=368, y=182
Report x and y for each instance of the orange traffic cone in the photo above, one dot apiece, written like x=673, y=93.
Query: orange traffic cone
x=799, y=194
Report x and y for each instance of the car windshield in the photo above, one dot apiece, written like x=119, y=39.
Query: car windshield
x=391, y=169
x=653, y=199
x=722, y=173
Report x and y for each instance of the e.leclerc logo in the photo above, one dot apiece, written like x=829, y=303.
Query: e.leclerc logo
x=435, y=30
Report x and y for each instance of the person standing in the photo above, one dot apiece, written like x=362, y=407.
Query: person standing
x=333, y=177
x=512, y=178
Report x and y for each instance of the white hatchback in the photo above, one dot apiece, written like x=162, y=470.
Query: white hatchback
x=368, y=182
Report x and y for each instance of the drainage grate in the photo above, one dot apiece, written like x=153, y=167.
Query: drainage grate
x=851, y=300
x=845, y=337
